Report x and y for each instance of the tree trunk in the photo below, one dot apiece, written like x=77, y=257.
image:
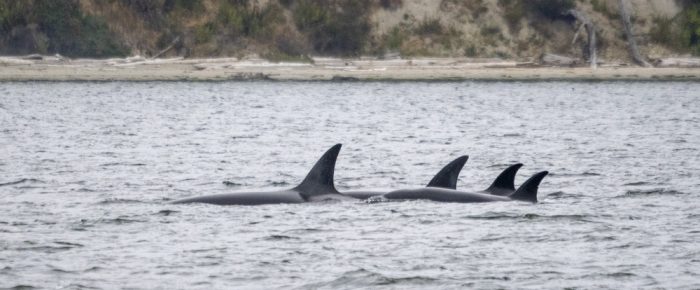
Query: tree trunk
x=632, y=44
x=172, y=44
x=590, y=30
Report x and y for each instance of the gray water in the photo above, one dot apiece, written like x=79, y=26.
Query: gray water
x=87, y=171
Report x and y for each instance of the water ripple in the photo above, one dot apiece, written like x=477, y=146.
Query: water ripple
x=88, y=170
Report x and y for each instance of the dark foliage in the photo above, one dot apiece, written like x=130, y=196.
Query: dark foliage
x=60, y=27
x=334, y=26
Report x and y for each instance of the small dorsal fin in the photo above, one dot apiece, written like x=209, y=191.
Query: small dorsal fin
x=320, y=179
x=505, y=182
x=528, y=190
x=448, y=175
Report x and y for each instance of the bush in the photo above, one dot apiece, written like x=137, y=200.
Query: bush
x=66, y=29
x=184, y=5
x=681, y=32
x=391, y=4
x=12, y=13
x=662, y=32
x=513, y=12
x=395, y=38
x=690, y=23
x=238, y=18
x=601, y=7
x=429, y=26
x=334, y=26
x=551, y=9
x=309, y=14
x=204, y=33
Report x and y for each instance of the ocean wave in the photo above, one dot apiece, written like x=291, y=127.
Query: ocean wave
x=527, y=216
x=119, y=201
x=364, y=278
x=23, y=180
x=122, y=164
x=648, y=192
x=232, y=184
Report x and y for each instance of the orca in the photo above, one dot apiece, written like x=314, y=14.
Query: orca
x=504, y=185
x=526, y=192
x=317, y=186
x=446, y=178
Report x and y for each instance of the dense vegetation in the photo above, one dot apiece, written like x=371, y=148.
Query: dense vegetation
x=681, y=32
x=289, y=29
x=50, y=26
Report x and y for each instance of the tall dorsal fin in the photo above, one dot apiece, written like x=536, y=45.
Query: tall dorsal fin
x=448, y=176
x=528, y=191
x=320, y=179
x=505, y=182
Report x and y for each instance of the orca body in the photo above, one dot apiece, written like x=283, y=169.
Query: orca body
x=317, y=186
x=526, y=192
x=446, y=178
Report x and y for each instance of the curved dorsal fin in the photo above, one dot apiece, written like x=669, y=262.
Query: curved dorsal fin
x=448, y=175
x=320, y=179
x=528, y=191
x=505, y=182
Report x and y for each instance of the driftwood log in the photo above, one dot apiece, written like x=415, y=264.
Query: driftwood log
x=678, y=62
x=590, y=30
x=632, y=44
x=172, y=44
x=558, y=60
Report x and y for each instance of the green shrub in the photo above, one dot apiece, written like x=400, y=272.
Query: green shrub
x=238, y=18
x=681, y=32
x=601, y=7
x=309, y=14
x=551, y=9
x=184, y=5
x=334, y=26
x=204, y=33
x=395, y=38
x=690, y=23
x=11, y=13
x=513, y=12
x=430, y=26
x=490, y=31
x=68, y=30
x=470, y=51
x=662, y=32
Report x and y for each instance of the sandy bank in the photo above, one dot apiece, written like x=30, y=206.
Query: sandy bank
x=428, y=69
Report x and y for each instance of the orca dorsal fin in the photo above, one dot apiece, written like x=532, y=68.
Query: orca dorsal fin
x=320, y=179
x=528, y=190
x=448, y=175
x=505, y=182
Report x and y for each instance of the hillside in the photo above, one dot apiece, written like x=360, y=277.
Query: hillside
x=295, y=30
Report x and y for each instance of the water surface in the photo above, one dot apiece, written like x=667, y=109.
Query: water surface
x=87, y=171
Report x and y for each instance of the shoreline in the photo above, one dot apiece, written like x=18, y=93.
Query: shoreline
x=322, y=69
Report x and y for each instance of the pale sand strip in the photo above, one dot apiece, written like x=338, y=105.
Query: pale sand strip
x=14, y=69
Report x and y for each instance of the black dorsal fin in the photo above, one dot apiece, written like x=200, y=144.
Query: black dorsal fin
x=505, y=182
x=448, y=175
x=320, y=179
x=528, y=191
